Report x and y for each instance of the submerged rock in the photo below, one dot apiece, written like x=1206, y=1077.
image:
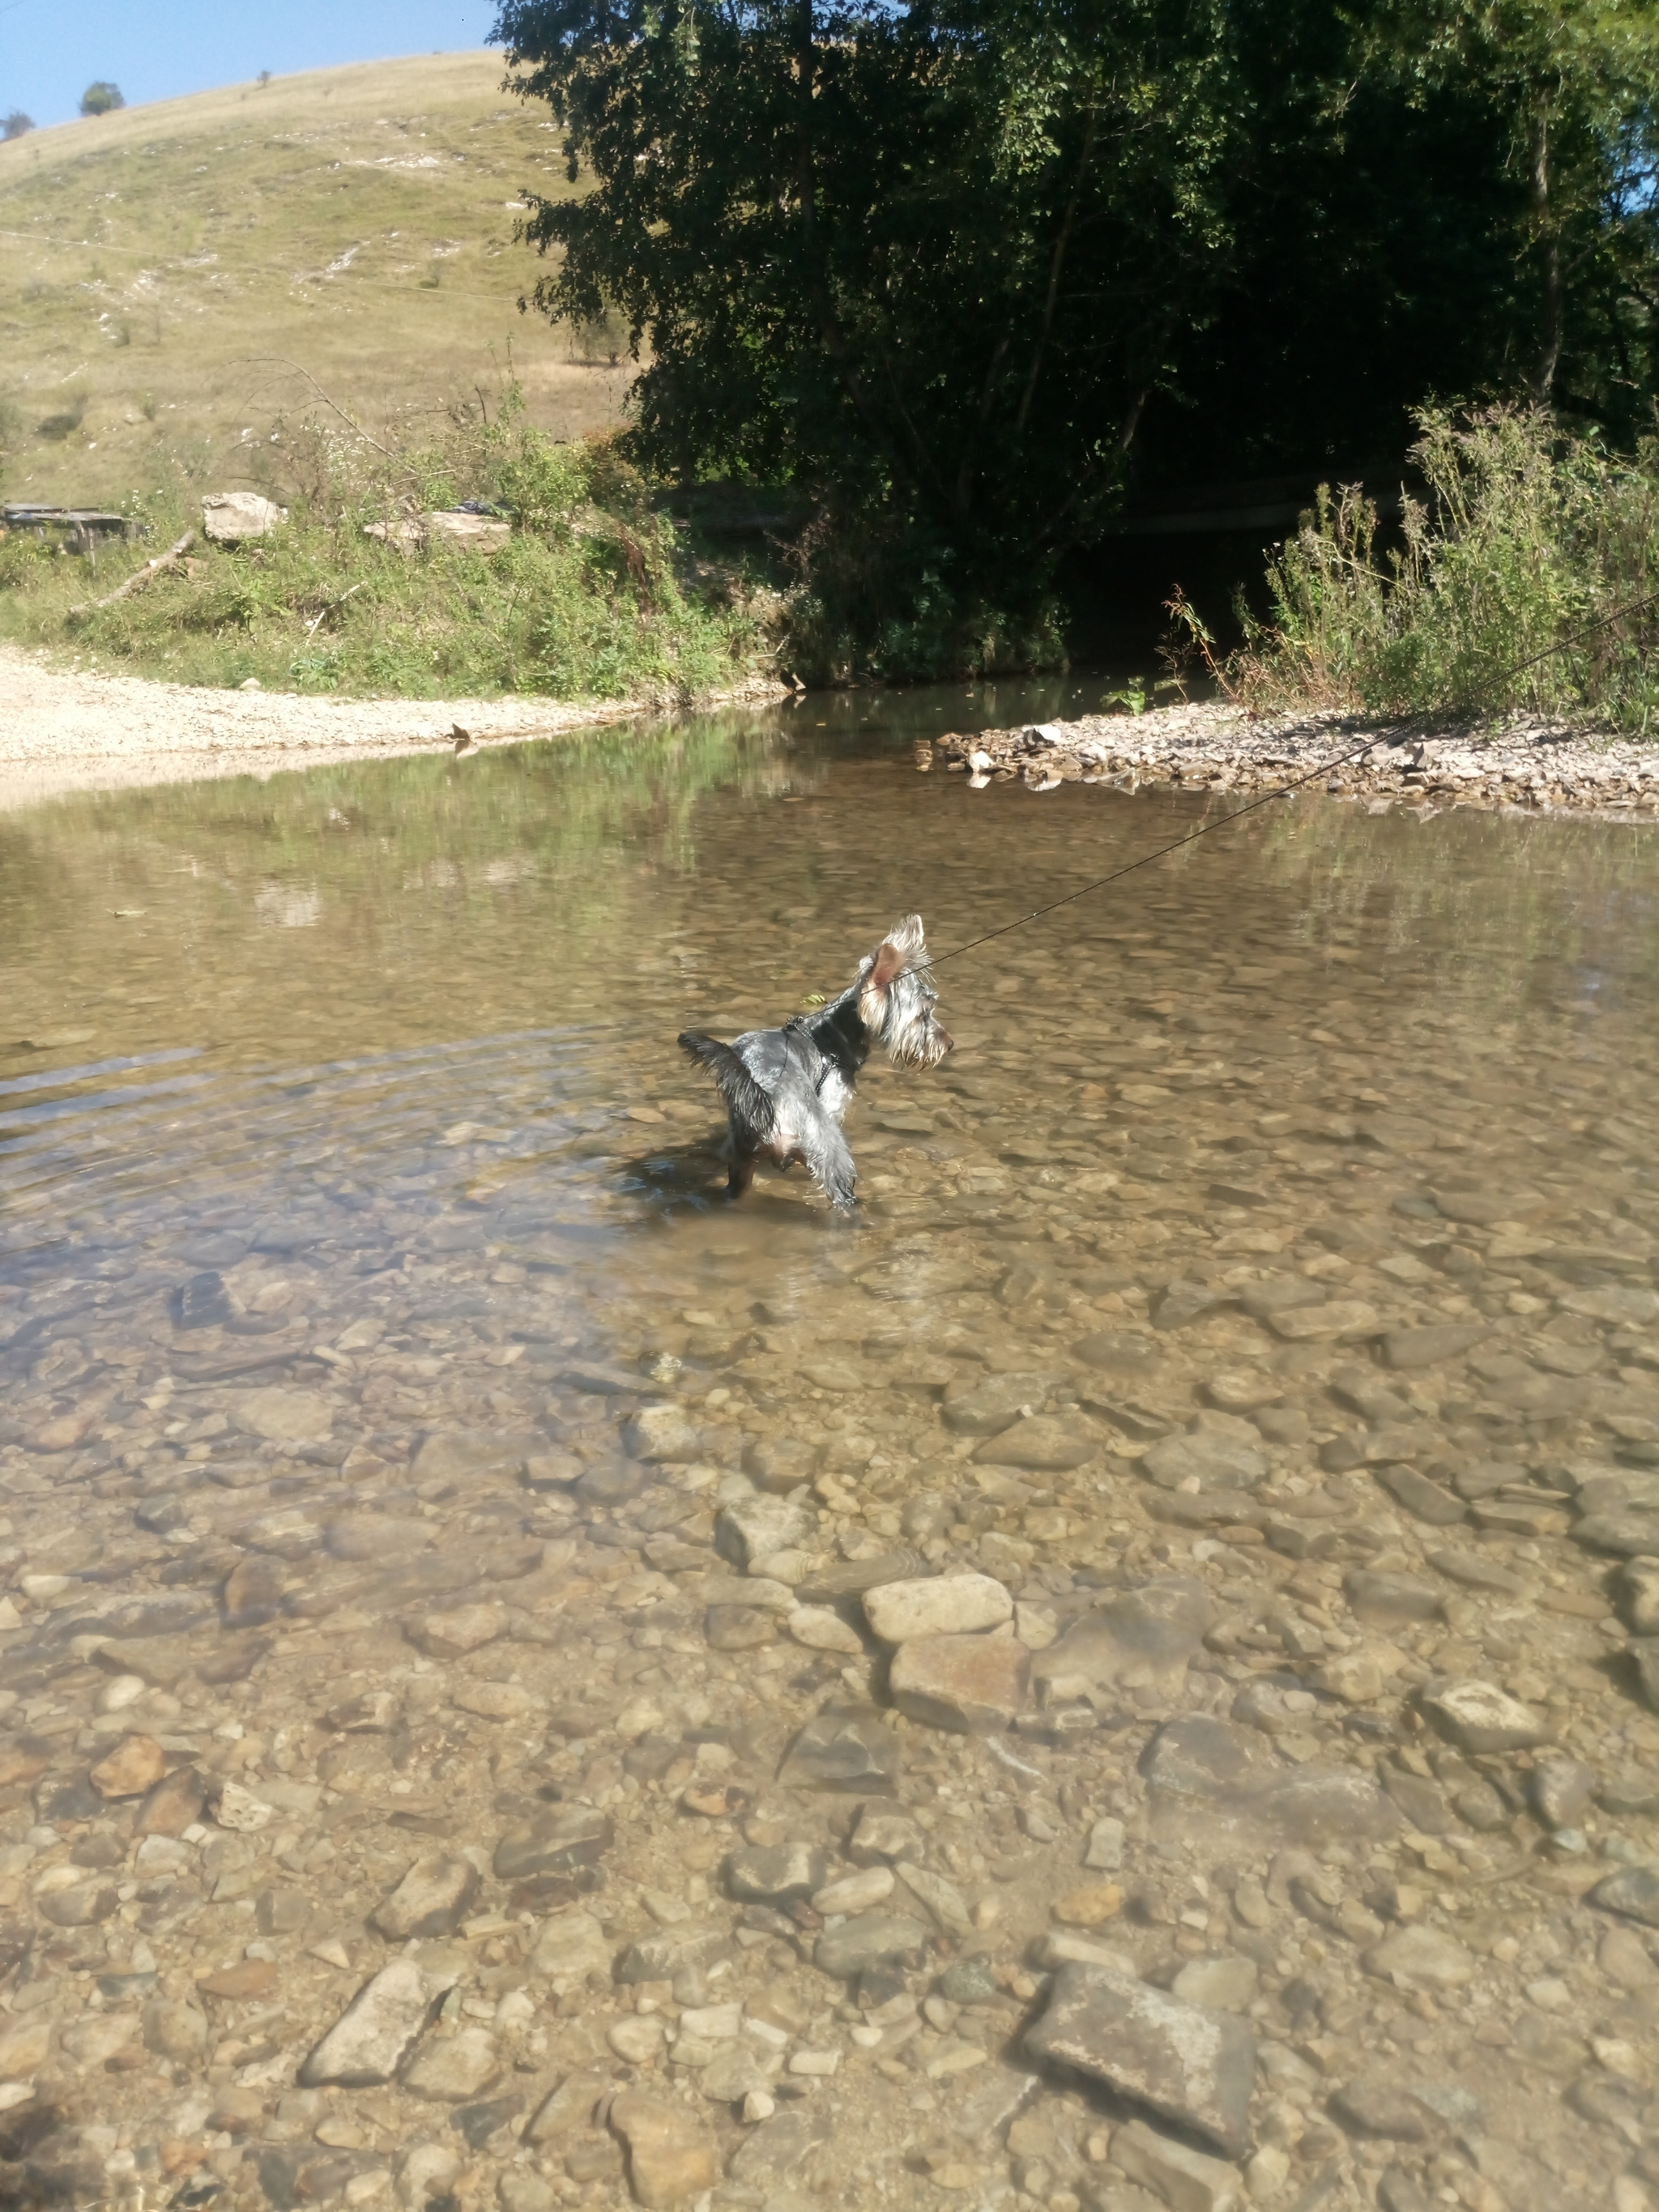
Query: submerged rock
x=556, y=1841
x=986, y=1409
x=1391, y=1601
x=972, y=1685
x=431, y=1899
x=571, y=1946
x=450, y=2069
x=751, y=1528
x=1423, y=1499
x=1144, y=1639
x=1229, y=1769
x=1427, y=1345
x=380, y=2027
x=943, y=1605
x=461, y=1455
x=777, y=2146
x=868, y=1939
x=1386, y=2111
x=662, y=1435
x=1633, y=1892
x=133, y=1768
x=1045, y=1444
x=671, y=2157
x=1184, y=2178
x=843, y=1748
x=774, y=1873
x=1221, y=1451
x=1420, y=1959
x=283, y=1416
x=1197, y=2069
x=1479, y=1717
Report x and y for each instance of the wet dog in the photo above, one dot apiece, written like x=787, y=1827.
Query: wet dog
x=786, y=1089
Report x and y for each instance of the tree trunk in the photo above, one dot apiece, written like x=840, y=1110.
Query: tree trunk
x=1056, y=269
x=1553, y=310
x=806, y=61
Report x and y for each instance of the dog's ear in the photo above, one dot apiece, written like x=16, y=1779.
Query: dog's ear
x=890, y=963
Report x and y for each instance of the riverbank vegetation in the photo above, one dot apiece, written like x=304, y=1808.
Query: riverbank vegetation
x=938, y=290
x=967, y=274
x=1522, y=576
x=594, y=592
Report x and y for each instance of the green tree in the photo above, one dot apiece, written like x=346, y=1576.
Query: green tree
x=101, y=98
x=960, y=267
x=16, y=124
x=939, y=256
x=1571, y=87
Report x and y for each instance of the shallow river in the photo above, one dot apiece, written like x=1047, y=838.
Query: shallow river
x=454, y=1744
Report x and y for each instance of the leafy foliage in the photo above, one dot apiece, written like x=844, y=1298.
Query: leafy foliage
x=101, y=98
x=1570, y=84
x=594, y=594
x=925, y=260
x=1528, y=539
x=970, y=264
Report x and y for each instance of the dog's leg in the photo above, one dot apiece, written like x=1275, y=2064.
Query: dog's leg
x=742, y=1175
x=827, y=1154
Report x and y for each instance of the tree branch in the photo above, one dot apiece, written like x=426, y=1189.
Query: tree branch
x=1057, y=263
x=150, y=570
x=1553, y=319
x=282, y=361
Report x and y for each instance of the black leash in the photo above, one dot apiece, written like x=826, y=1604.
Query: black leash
x=1283, y=791
x=1578, y=636
x=1280, y=790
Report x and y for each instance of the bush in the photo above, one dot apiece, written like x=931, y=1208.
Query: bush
x=101, y=98
x=594, y=595
x=16, y=124
x=1530, y=536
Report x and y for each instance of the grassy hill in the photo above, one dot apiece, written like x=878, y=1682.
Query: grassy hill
x=167, y=273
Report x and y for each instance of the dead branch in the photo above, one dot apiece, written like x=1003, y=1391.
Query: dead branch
x=311, y=627
x=151, y=569
x=282, y=361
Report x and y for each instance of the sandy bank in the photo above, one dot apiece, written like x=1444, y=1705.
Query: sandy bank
x=66, y=730
x=1530, y=768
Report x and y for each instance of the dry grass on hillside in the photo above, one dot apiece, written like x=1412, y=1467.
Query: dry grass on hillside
x=158, y=267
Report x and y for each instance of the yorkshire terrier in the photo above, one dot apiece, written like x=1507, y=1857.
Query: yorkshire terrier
x=786, y=1089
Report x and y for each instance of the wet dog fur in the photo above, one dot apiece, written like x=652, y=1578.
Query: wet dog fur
x=786, y=1089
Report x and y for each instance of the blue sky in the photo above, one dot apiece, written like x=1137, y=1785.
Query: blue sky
x=52, y=49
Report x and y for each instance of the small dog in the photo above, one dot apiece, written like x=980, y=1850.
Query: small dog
x=786, y=1089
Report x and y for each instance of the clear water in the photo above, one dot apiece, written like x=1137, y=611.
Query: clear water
x=386, y=1052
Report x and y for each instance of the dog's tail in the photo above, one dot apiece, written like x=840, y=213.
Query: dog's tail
x=750, y=1107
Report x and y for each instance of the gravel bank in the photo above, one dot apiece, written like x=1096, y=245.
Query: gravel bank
x=1530, y=767
x=65, y=730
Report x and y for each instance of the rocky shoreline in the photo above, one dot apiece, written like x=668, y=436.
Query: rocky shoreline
x=1531, y=768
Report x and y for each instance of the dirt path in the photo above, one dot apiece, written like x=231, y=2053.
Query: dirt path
x=63, y=731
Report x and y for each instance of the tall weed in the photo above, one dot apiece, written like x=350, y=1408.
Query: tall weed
x=594, y=595
x=1492, y=598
